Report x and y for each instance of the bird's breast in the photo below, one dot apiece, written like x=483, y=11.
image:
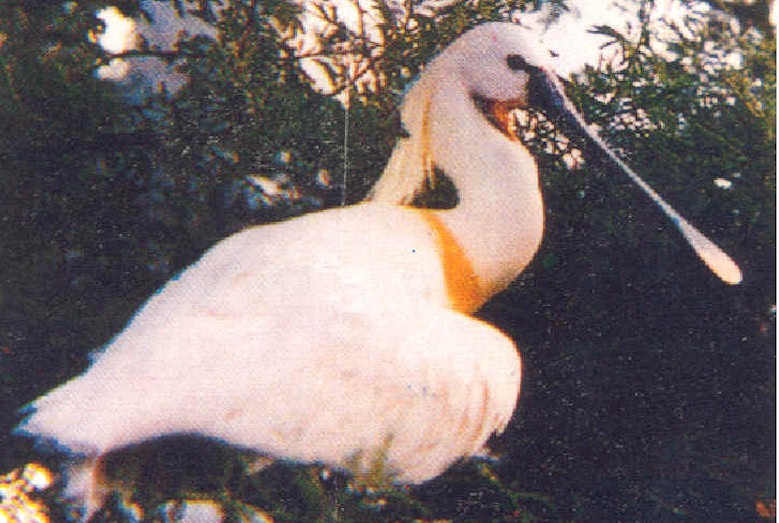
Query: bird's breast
x=464, y=290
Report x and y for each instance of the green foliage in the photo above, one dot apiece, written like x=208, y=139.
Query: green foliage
x=654, y=379
x=649, y=386
x=53, y=115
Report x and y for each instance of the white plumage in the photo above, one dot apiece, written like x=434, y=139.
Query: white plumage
x=333, y=337
x=301, y=350
x=343, y=336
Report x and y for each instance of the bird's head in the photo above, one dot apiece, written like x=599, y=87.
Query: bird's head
x=499, y=67
x=495, y=62
x=495, y=68
x=503, y=68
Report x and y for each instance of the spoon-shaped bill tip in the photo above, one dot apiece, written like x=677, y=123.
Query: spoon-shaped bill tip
x=715, y=258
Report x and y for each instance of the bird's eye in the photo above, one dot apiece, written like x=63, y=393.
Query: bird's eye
x=516, y=62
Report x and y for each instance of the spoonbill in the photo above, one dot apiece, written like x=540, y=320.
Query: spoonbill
x=345, y=337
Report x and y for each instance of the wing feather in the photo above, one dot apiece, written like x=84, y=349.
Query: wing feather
x=305, y=352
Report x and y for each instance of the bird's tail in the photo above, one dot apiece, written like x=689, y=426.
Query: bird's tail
x=61, y=419
x=64, y=420
x=411, y=164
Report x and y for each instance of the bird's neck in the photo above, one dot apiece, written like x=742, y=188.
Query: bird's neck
x=498, y=221
x=500, y=216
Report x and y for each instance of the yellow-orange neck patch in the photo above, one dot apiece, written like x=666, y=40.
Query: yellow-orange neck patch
x=462, y=283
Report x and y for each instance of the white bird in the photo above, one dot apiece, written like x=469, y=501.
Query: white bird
x=345, y=337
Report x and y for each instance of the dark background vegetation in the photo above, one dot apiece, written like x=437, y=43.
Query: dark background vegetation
x=649, y=390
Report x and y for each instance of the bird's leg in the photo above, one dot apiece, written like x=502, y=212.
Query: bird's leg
x=84, y=487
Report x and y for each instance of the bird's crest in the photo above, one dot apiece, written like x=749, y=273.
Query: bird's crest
x=411, y=163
